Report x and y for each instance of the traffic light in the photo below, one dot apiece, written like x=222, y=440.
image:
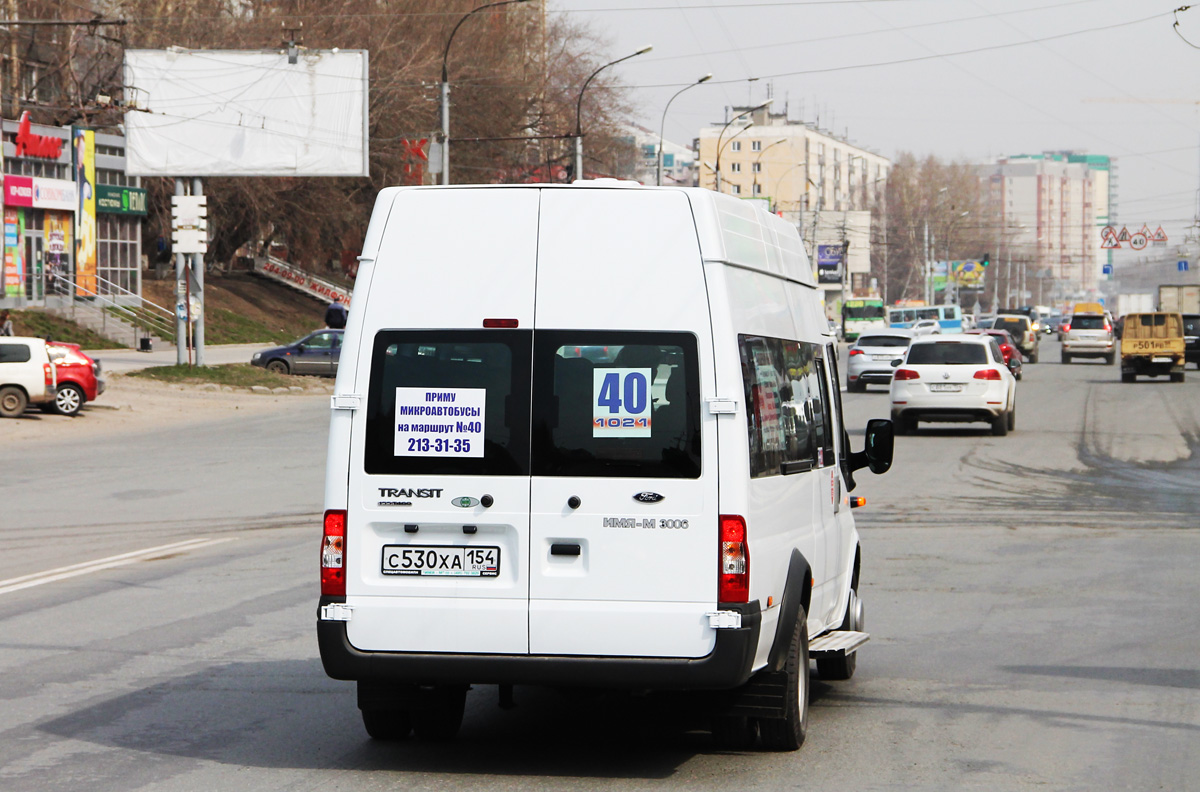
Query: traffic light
x=983, y=262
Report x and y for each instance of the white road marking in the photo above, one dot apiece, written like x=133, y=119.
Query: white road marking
x=87, y=567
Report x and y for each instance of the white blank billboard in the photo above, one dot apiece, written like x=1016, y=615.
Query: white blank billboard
x=230, y=113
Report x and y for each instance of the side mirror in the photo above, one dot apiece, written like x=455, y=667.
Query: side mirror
x=880, y=446
x=300, y=347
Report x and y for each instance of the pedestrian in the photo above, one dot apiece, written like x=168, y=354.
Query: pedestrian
x=335, y=314
x=6, y=325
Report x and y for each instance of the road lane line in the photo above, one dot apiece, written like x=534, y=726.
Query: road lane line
x=87, y=567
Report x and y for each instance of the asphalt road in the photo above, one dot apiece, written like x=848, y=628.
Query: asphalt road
x=1030, y=600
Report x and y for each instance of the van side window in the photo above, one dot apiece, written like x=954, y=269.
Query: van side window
x=449, y=402
x=14, y=353
x=787, y=412
x=616, y=404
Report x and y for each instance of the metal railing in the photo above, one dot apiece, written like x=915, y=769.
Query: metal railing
x=146, y=319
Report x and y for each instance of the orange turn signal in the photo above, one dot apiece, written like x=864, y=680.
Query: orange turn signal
x=856, y=502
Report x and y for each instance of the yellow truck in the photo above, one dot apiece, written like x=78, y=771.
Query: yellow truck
x=1152, y=344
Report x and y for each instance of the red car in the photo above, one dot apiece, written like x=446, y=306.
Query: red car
x=79, y=378
x=1008, y=348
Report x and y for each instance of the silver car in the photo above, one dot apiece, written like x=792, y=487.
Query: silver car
x=870, y=357
x=1089, y=335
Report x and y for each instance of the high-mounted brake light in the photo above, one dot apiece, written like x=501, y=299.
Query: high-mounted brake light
x=333, y=554
x=733, y=578
x=905, y=374
x=987, y=374
x=500, y=323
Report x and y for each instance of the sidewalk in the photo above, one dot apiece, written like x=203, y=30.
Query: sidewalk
x=125, y=360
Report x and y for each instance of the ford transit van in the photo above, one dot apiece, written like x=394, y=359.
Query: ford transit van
x=588, y=435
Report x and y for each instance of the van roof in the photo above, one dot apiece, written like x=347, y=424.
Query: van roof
x=733, y=231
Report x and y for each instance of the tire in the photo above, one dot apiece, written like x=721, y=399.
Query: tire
x=12, y=402
x=387, y=724
x=787, y=733
x=1109, y=359
x=1176, y=376
x=734, y=732
x=279, y=367
x=1066, y=358
x=899, y=425
x=1012, y=418
x=441, y=720
x=69, y=400
x=1000, y=425
x=1033, y=356
x=841, y=666
x=857, y=387
x=1127, y=377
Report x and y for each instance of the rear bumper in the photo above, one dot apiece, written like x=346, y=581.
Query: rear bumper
x=727, y=666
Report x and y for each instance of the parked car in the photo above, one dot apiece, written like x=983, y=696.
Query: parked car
x=1191, y=339
x=1023, y=332
x=26, y=375
x=926, y=327
x=869, y=359
x=317, y=353
x=1008, y=348
x=959, y=378
x=1089, y=335
x=80, y=378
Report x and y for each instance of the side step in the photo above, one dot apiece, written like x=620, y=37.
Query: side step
x=836, y=641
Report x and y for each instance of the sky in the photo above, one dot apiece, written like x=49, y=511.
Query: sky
x=963, y=80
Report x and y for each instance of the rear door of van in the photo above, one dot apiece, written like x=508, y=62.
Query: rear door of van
x=623, y=527
x=437, y=540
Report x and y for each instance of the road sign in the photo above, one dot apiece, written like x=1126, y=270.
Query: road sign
x=1107, y=269
x=1138, y=241
x=1183, y=265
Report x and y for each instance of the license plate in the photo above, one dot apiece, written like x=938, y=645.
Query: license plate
x=945, y=387
x=441, y=561
x=884, y=357
x=1161, y=360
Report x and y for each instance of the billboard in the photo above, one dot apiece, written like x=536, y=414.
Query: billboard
x=829, y=263
x=240, y=113
x=84, y=143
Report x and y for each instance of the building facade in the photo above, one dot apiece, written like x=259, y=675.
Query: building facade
x=1051, y=208
x=824, y=184
x=72, y=218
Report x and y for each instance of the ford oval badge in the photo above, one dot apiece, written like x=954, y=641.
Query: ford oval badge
x=464, y=503
x=648, y=497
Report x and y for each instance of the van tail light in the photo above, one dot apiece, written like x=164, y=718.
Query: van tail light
x=1107, y=327
x=987, y=374
x=333, y=554
x=905, y=374
x=733, y=582
x=1066, y=328
x=48, y=370
x=854, y=352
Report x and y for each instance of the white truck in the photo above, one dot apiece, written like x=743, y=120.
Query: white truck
x=1183, y=299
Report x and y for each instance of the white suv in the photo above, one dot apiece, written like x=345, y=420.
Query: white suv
x=26, y=375
x=956, y=379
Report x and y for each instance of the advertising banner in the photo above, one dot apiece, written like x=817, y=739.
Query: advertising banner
x=18, y=191
x=54, y=194
x=115, y=199
x=829, y=263
x=58, y=250
x=14, y=252
x=84, y=143
x=939, y=275
x=968, y=274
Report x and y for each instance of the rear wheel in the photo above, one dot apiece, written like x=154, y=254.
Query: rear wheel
x=787, y=733
x=12, y=402
x=1033, y=356
x=1000, y=425
x=442, y=717
x=69, y=399
x=1012, y=418
x=858, y=386
x=1109, y=359
x=1176, y=376
x=1066, y=358
x=1127, y=376
x=387, y=724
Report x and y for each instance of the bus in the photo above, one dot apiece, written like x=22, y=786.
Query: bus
x=948, y=316
x=860, y=315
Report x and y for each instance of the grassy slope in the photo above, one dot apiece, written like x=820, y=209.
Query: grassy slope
x=238, y=375
x=41, y=324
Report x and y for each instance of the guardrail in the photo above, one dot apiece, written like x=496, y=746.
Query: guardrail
x=147, y=319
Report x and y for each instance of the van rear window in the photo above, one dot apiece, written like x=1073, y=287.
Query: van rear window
x=616, y=404
x=449, y=402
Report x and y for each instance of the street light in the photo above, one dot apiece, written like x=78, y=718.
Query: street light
x=663, y=126
x=579, y=109
x=445, y=87
x=758, y=160
x=717, y=169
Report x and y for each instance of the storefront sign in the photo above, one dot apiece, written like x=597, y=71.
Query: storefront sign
x=14, y=260
x=54, y=194
x=113, y=199
x=84, y=144
x=18, y=191
x=31, y=145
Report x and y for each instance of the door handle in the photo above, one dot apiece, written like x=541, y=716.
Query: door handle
x=564, y=549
